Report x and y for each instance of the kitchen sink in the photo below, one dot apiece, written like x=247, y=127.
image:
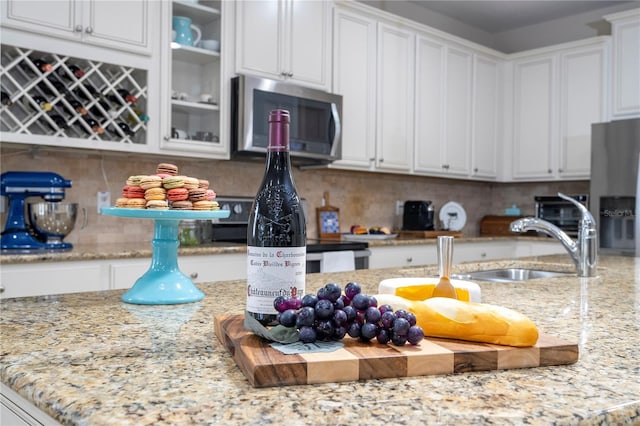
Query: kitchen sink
x=509, y=275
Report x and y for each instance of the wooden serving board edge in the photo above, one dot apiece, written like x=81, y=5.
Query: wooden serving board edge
x=264, y=366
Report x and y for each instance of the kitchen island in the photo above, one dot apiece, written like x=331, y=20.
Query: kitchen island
x=89, y=358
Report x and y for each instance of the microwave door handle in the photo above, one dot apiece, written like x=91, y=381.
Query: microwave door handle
x=335, y=127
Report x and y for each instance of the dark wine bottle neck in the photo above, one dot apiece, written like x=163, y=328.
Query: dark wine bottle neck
x=278, y=161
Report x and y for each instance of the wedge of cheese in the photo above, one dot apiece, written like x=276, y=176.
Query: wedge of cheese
x=477, y=322
x=415, y=288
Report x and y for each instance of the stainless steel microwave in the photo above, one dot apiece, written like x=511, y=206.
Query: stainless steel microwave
x=315, y=129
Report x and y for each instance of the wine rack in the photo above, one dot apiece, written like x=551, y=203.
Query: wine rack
x=61, y=96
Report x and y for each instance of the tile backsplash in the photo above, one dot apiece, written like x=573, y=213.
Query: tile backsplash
x=364, y=198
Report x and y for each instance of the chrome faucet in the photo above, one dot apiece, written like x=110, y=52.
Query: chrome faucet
x=583, y=251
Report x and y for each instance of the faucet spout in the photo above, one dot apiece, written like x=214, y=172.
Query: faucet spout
x=583, y=251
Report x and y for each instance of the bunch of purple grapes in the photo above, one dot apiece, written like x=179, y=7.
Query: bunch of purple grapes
x=331, y=315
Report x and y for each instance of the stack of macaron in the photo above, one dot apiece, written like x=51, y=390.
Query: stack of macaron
x=166, y=189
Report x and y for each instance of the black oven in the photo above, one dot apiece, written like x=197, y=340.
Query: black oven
x=234, y=230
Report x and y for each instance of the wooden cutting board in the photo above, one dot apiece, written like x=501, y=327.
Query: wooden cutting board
x=264, y=366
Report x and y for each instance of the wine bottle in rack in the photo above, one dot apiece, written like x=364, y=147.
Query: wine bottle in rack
x=75, y=70
x=57, y=84
x=42, y=103
x=140, y=117
x=5, y=99
x=276, y=234
x=126, y=96
x=42, y=65
x=60, y=121
x=95, y=126
x=77, y=106
x=125, y=128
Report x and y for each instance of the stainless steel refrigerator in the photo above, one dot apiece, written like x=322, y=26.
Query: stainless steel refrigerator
x=615, y=185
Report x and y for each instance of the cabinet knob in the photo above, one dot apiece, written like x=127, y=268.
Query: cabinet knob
x=382, y=160
x=475, y=170
x=78, y=28
x=290, y=74
x=559, y=170
x=372, y=159
x=445, y=166
x=409, y=259
x=549, y=171
x=193, y=275
x=89, y=30
x=1, y=289
x=483, y=255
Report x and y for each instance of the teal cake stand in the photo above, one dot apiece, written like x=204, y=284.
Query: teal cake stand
x=164, y=283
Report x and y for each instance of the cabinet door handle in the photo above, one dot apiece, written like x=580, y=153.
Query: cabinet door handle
x=549, y=171
x=89, y=30
x=475, y=170
x=193, y=275
x=290, y=74
x=78, y=28
x=1, y=289
x=409, y=259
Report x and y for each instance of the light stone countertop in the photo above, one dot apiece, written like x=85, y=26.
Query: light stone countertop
x=88, y=358
x=143, y=249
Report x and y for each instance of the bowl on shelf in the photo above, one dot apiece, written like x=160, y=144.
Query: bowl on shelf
x=213, y=45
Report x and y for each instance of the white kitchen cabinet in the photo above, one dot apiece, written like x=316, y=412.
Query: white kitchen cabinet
x=395, y=65
x=557, y=95
x=15, y=410
x=113, y=24
x=464, y=251
x=583, y=102
x=38, y=279
x=625, y=30
x=485, y=138
x=285, y=39
x=456, y=119
x=373, y=71
x=192, y=84
x=354, y=77
x=123, y=273
x=533, y=118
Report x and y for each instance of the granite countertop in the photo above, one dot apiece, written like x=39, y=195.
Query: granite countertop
x=143, y=249
x=88, y=358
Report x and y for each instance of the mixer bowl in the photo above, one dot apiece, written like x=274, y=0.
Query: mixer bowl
x=54, y=221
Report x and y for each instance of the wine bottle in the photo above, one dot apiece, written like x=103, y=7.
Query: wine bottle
x=95, y=126
x=276, y=235
x=42, y=103
x=42, y=65
x=6, y=99
x=128, y=97
x=77, y=106
x=75, y=70
x=60, y=121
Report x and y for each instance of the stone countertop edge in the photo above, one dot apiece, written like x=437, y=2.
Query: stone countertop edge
x=104, y=251
x=89, y=358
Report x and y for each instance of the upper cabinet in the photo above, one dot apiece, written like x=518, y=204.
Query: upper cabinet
x=192, y=79
x=395, y=71
x=486, y=120
x=112, y=24
x=557, y=95
x=354, y=77
x=625, y=29
x=443, y=108
x=285, y=39
x=373, y=71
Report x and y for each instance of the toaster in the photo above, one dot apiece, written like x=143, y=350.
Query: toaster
x=417, y=216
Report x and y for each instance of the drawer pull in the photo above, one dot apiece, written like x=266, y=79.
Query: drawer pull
x=193, y=275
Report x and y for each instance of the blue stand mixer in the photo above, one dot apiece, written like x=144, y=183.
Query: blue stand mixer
x=48, y=223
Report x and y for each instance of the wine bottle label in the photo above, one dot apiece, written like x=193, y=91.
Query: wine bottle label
x=273, y=272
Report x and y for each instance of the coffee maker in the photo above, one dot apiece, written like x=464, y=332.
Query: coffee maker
x=40, y=226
